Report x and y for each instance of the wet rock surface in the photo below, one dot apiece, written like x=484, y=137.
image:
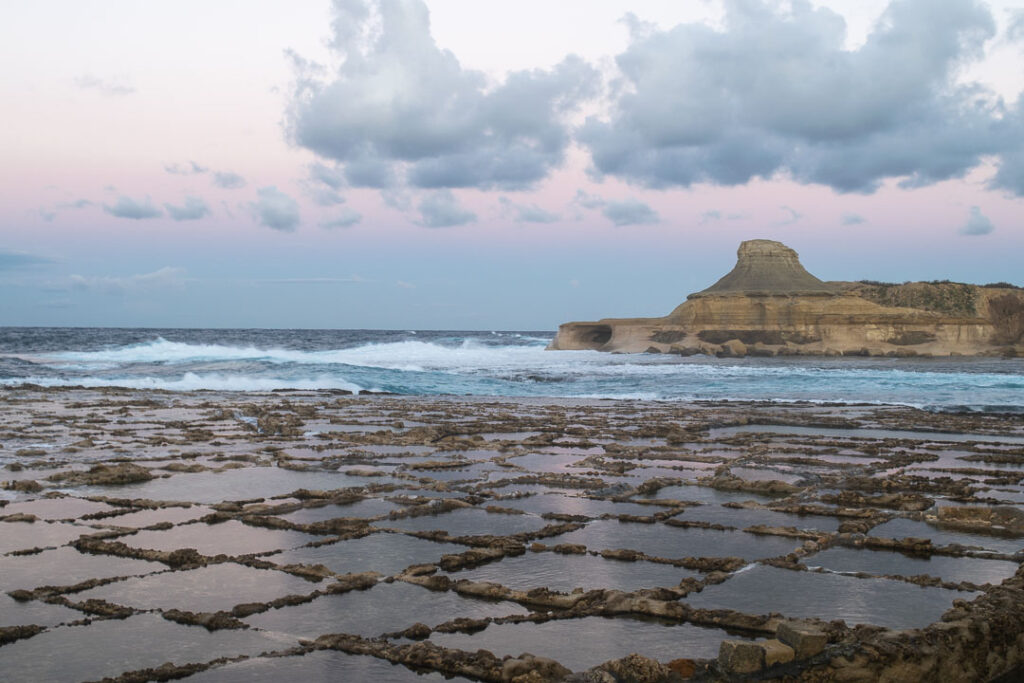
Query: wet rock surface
x=156, y=536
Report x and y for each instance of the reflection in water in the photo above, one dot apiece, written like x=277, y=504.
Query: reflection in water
x=658, y=540
x=883, y=602
x=566, y=572
x=383, y=608
x=882, y=562
x=582, y=643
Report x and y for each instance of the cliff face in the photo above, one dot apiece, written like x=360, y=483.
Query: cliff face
x=770, y=305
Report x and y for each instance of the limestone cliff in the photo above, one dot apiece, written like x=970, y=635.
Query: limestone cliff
x=768, y=304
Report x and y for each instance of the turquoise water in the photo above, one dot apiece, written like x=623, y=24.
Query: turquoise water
x=483, y=364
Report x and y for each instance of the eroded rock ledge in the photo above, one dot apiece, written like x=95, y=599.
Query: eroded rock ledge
x=770, y=305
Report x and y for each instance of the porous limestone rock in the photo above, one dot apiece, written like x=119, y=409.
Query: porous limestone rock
x=740, y=657
x=805, y=640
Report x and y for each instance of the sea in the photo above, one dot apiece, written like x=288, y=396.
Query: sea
x=484, y=363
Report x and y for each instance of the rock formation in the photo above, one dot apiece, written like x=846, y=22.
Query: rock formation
x=768, y=304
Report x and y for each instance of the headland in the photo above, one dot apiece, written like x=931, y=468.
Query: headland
x=770, y=305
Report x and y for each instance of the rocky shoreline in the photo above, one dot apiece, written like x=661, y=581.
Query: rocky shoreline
x=231, y=537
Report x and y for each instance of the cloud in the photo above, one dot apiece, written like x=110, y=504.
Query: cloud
x=77, y=204
x=165, y=278
x=228, y=180
x=126, y=207
x=1015, y=30
x=527, y=213
x=792, y=216
x=629, y=212
x=776, y=92
x=10, y=260
x=324, y=196
x=851, y=219
x=977, y=223
x=190, y=168
x=345, y=219
x=326, y=175
x=397, y=198
x=109, y=88
x=193, y=209
x=587, y=200
x=275, y=209
x=401, y=110
x=709, y=216
x=440, y=209
x=402, y=284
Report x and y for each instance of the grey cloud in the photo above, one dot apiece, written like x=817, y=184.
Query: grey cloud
x=977, y=223
x=399, y=109
x=851, y=219
x=792, y=216
x=10, y=260
x=228, y=180
x=1010, y=175
x=776, y=92
x=323, y=184
x=345, y=219
x=275, y=209
x=629, y=212
x=325, y=196
x=527, y=213
x=709, y=217
x=77, y=204
x=190, y=168
x=49, y=214
x=396, y=198
x=108, y=87
x=1015, y=31
x=441, y=209
x=587, y=200
x=331, y=177
x=126, y=207
x=193, y=209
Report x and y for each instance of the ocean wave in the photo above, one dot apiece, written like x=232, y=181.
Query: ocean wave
x=195, y=382
x=506, y=364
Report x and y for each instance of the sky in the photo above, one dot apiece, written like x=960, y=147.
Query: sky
x=450, y=164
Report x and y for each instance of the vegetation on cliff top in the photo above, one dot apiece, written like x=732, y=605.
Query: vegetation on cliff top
x=941, y=296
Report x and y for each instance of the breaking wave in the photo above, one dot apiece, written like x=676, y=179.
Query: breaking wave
x=488, y=364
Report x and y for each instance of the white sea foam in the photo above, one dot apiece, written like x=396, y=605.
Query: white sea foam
x=194, y=382
x=518, y=365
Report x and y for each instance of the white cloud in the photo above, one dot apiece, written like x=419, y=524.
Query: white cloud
x=106, y=87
